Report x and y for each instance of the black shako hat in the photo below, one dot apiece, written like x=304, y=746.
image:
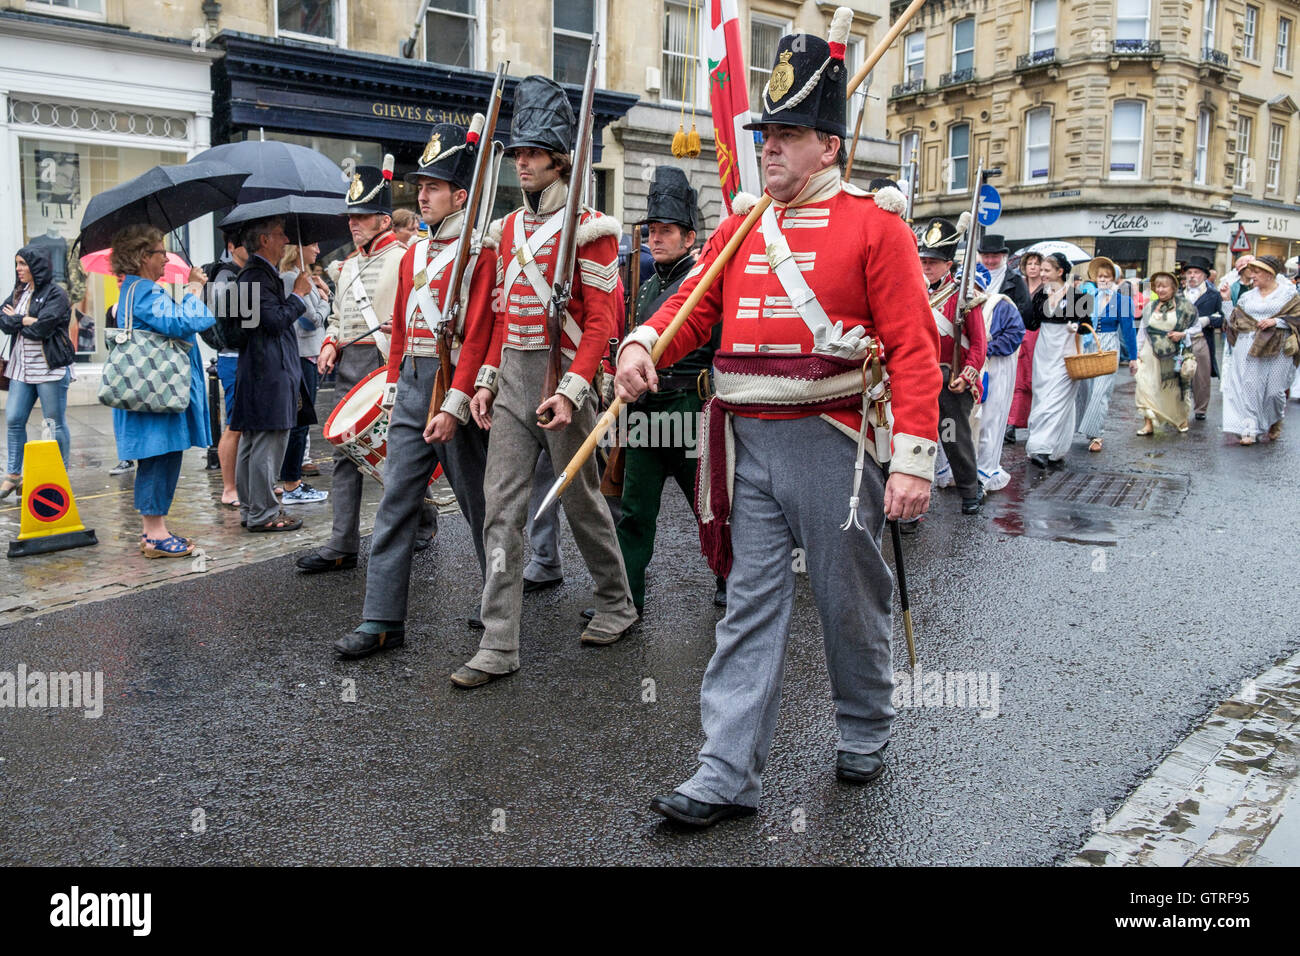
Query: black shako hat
x=543, y=116
x=939, y=241
x=808, y=80
x=371, y=189
x=672, y=199
x=450, y=154
x=991, y=243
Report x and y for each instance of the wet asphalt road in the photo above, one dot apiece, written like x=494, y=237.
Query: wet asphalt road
x=1112, y=631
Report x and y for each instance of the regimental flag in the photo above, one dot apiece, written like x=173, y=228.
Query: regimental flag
x=729, y=101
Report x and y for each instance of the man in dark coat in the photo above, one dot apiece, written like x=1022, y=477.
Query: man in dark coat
x=1209, y=307
x=993, y=252
x=673, y=216
x=270, y=397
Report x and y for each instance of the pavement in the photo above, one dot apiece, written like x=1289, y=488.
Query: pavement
x=1071, y=638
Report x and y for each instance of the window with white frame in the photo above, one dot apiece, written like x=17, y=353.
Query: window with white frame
x=1276, y=137
x=853, y=59
x=308, y=19
x=1207, y=23
x=963, y=45
x=451, y=33
x=1131, y=19
x=1282, y=58
x=573, y=22
x=959, y=158
x=1245, y=132
x=1042, y=26
x=1038, y=144
x=914, y=57
x=909, y=151
x=764, y=35
x=1250, y=29
x=682, y=72
x=88, y=9
x=1204, y=123
x=1126, y=126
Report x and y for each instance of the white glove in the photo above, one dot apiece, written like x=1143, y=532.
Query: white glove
x=852, y=345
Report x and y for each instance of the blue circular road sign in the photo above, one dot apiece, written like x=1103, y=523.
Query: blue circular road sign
x=990, y=206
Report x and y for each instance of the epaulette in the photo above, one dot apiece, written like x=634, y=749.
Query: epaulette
x=598, y=226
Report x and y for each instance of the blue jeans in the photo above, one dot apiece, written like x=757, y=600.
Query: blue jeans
x=155, y=483
x=54, y=404
x=291, y=467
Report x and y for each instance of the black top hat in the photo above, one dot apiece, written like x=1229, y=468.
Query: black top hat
x=543, y=116
x=1199, y=262
x=939, y=241
x=450, y=154
x=991, y=242
x=672, y=199
x=808, y=80
x=372, y=189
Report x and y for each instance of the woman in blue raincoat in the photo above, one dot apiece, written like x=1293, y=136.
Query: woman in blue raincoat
x=157, y=440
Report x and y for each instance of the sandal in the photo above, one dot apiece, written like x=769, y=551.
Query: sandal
x=232, y=504
x=1147, y=429
x=1247, y=440
x=281, y=522
x=170, y=547
x=1095, y=445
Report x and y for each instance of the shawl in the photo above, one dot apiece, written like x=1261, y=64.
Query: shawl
x=1169, y=353
x=1283, y=304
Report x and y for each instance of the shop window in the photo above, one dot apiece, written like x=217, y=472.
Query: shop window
x=1245, y=165
x=308, y=19
x=451, y=30
x=1038, y=145
x=574, y=23
x=959, y=158
x=914, y=59
x=1126, y=139
x=764, y=35
x=681, y=55
x=1204, y=122
x=1276, y=139
x=1250, y=29
x=1042, y=26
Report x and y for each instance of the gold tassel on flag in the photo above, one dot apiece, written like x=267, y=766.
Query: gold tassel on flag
x=693, y=142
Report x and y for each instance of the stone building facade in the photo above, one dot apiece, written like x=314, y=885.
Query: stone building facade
x=1134, y=128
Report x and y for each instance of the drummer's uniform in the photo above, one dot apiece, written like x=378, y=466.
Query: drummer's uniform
x=367, y=291
x=782, y=436
x=412, y=370
x=647, y=466
x=515, y=370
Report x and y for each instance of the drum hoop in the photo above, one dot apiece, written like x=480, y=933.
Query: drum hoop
x=366, y=418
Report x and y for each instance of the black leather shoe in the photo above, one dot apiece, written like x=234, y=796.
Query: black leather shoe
x=1200, y=416
x=588, y=613
x=720, y=593
x=532, y=587
x=1040, y=460
x=682, y=809
x=860, y=768
x=971, y=506
x=1009, y=437
x=475, y=619
x=314, y=564
x=422, y=544
x=361, y=644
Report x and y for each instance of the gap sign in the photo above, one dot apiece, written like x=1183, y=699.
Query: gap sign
x=990, y=205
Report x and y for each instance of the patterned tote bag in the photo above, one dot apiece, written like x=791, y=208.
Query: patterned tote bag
x=145, y=371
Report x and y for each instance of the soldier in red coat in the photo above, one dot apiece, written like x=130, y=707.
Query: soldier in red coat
x=510, y=382
x=417, y=446
x=831, y=273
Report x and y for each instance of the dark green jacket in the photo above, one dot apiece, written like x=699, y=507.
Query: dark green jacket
x=657, y=289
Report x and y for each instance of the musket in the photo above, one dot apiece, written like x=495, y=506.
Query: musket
x=634, y=280
x=709, y=277
x=566, y=258
x=967, y=284
x=481, y=129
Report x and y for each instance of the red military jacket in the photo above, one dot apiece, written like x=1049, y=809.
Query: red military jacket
x=595, y=308
x=973, y=333
x=474, y=331
x=861, y=262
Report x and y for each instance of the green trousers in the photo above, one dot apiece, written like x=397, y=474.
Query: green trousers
x=662, y=429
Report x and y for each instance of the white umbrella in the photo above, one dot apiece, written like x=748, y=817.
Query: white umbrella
x=1067, y=249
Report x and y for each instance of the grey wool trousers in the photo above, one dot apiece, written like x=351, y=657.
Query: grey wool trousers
x=792, y=487
x=256, y=470
x=407, y=468
x=356, y=362
x=516, y=442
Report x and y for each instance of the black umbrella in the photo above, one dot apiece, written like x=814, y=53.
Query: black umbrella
x=308, y=219
x=166, y=197
x=279, y=169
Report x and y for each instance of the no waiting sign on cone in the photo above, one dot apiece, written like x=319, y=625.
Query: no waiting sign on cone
x=50, y=521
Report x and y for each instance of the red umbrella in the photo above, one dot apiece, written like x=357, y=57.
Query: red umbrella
x=177, y=270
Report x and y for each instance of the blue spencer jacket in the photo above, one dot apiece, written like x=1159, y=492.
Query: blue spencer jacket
x=146, y=434
x=1006, y=329
x=1115, y=316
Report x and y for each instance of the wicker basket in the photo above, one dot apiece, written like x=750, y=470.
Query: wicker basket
x=1091, y=364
